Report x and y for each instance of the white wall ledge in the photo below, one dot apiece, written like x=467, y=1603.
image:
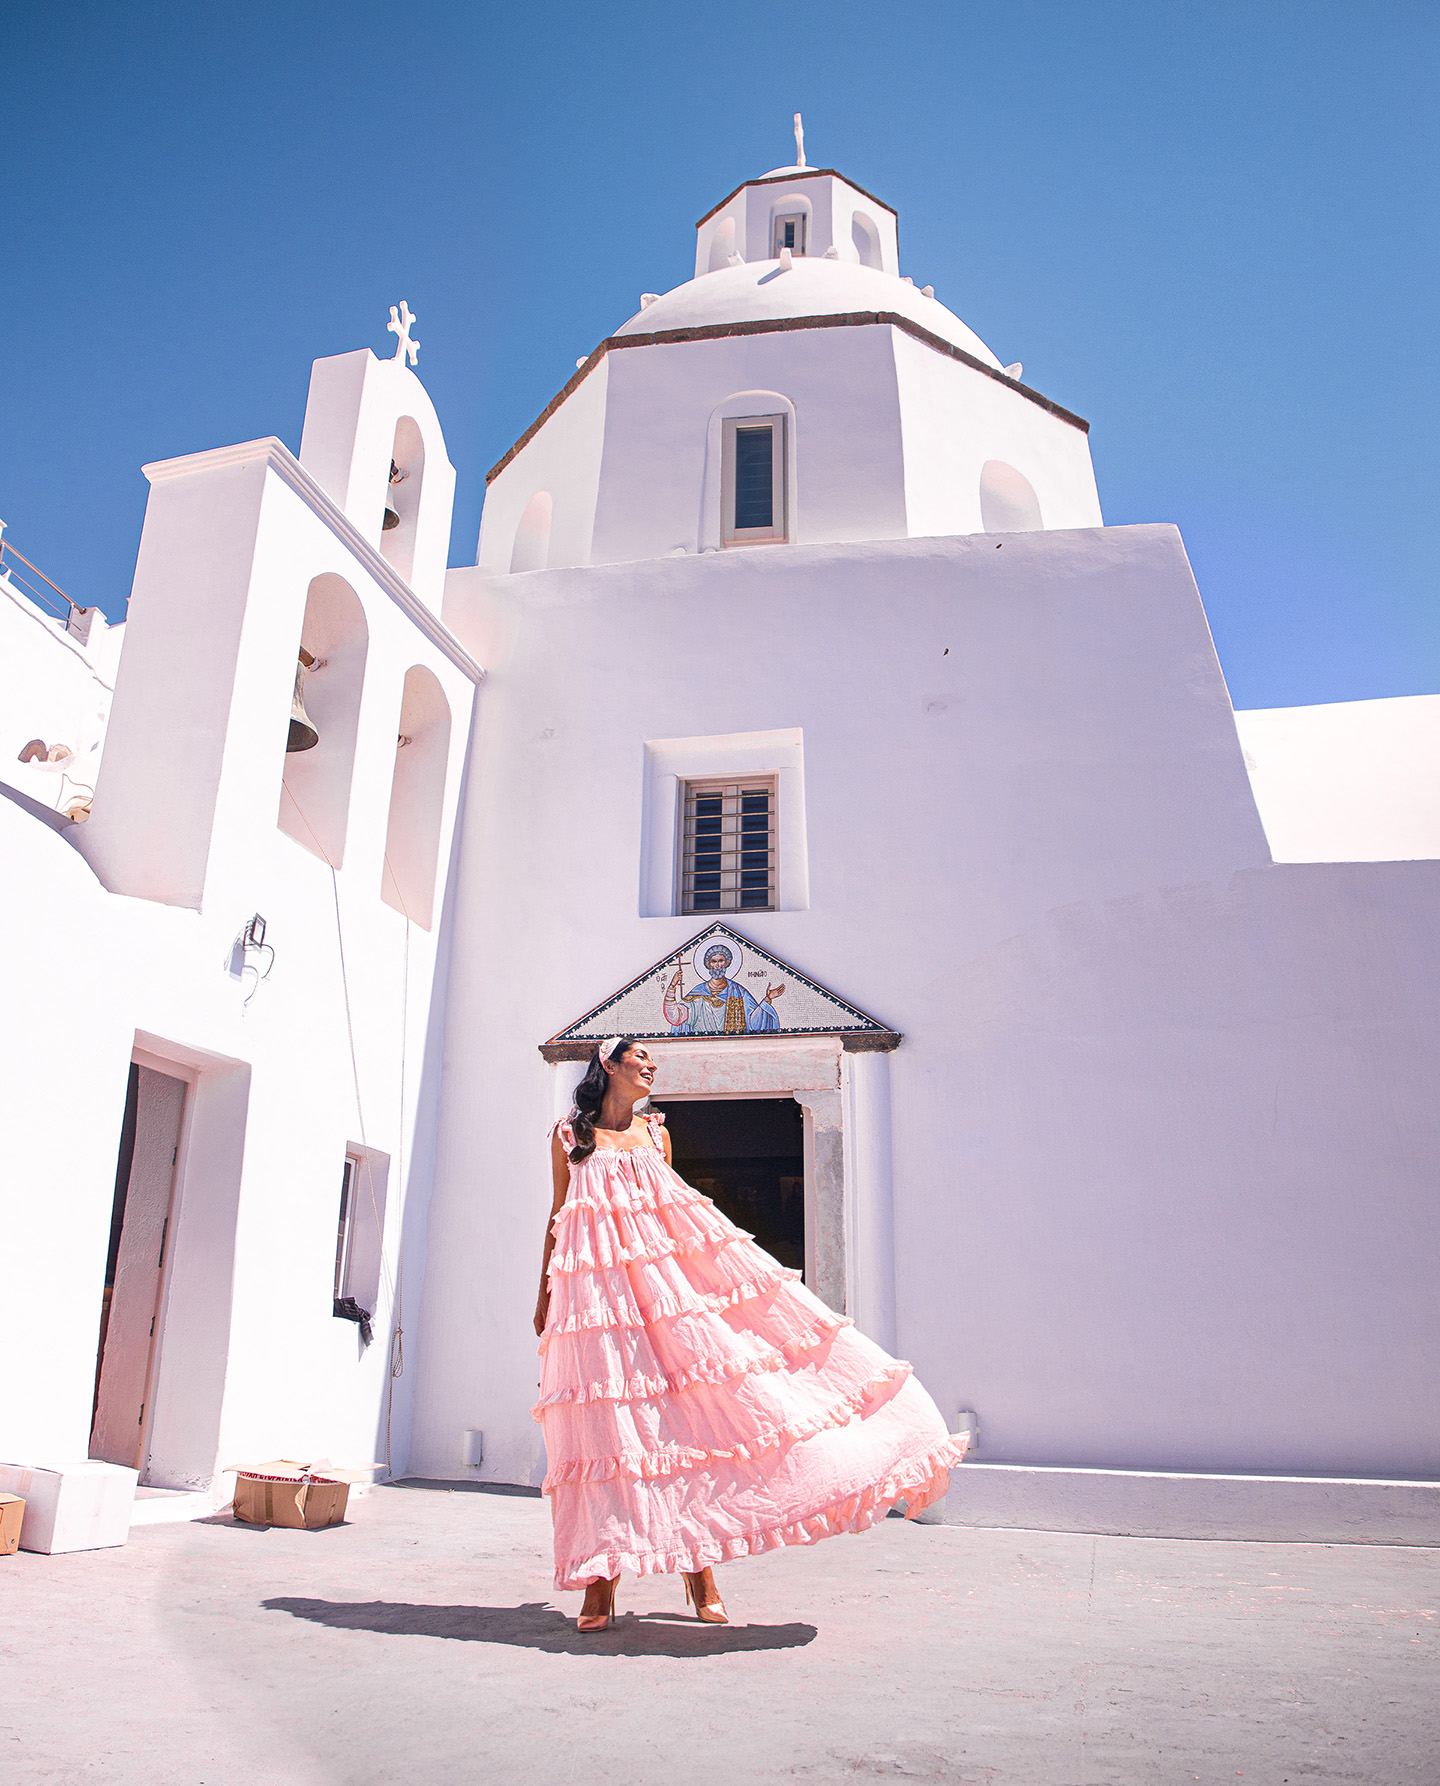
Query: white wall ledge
x=282, y=461
x=1176, y=1504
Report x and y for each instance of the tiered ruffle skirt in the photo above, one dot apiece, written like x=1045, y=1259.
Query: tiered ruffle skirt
x=698, y=1402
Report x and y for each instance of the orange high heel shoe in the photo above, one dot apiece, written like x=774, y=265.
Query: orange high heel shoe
x=599, y=1621
x=700, y=1593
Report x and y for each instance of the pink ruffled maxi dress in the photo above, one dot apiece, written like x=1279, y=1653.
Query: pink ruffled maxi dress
x=698, y=1402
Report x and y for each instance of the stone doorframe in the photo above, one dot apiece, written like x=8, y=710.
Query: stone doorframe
x=844, y=1092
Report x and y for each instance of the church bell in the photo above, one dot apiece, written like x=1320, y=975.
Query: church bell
x=392, y=514
x=303, y=735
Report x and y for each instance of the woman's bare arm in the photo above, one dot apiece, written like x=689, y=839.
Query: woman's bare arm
x=560, y=1171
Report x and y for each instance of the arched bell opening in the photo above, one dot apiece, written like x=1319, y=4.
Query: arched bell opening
x=324, y=719
x=1008, y=503
x=417, y=798
x=402, y=497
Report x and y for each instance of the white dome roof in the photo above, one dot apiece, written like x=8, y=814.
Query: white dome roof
x=813, y=287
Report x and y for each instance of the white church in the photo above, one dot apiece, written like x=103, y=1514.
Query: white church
x=1076, y=1034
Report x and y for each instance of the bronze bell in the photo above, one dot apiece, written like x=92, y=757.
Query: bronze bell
x=303, y=735
x=392, y=514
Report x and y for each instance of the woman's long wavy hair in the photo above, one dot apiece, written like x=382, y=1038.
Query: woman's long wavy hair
x=589, y=1096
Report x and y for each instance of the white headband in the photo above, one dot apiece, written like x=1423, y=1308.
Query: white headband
x=609, y=1045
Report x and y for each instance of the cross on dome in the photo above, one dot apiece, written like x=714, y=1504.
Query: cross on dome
x=799, y=142
x=399, y=324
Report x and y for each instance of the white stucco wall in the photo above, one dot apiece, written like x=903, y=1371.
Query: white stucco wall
x=362, y=415
x=744, y=224
x=563, y=459
x=1148, y=1181
x=954, y=419
x=1147, y=1210
x=1352, y=781
x=848, y=478
x=888, y=438
x=134, y=950
x=57, y=688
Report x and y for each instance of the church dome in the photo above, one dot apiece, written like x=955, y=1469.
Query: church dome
x=813, y=286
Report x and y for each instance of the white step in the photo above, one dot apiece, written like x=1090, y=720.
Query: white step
x=161, y=1506
x=1176, y=1504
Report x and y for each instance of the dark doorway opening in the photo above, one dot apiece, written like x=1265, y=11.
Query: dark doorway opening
x=748, y=1156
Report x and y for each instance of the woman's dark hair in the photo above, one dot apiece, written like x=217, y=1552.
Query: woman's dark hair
x=589, y=1096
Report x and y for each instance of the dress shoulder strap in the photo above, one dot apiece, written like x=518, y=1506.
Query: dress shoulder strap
x=655, y=1120
x=566, y=1134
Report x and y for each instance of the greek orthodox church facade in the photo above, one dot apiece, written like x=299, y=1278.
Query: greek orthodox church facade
x=1076, y=1035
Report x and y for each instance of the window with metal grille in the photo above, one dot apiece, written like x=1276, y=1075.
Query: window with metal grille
x=753, y=481
x=728, y=846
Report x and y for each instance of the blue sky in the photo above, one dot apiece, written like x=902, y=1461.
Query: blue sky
x=1209, y=228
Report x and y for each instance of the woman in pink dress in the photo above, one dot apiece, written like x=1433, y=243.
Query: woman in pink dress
x=699, y=1403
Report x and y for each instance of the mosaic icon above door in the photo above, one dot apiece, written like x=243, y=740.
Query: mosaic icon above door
x=721, y=984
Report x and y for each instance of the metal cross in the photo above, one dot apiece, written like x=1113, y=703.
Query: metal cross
x=399, y=324
x=799, y=142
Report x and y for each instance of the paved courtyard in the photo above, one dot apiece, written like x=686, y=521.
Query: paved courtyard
x=421, y=1643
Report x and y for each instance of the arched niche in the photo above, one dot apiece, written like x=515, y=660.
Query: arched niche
x=417, y=798
x=402, y=497
x=737, y=406
x=315, y=788
x=1008, y=503
x=531, y=551
x=796, y=211
x=722, y=244
x=866, y=238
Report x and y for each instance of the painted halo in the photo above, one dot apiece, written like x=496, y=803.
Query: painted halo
x=702, y=949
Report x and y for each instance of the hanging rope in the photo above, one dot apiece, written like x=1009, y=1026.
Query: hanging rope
x=397, y=1336
x=390, y=1281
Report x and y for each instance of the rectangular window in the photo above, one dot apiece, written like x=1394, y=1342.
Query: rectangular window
x=753, y=492
x=789, y=233
x=347, y=1212
x=728, y=846
x=359, y=1234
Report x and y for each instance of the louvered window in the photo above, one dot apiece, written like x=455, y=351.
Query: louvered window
x=728, y=846
x=753, y=482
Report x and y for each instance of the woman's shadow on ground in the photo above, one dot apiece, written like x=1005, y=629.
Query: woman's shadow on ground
x=536, y=1626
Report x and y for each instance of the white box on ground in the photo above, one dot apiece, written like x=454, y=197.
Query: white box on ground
x=78, y=1506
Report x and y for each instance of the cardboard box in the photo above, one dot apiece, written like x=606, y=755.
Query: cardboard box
x=286, y=1493
x=80, y=1506
x=12, y=1514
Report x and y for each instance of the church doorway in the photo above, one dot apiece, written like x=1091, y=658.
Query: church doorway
x=748, y=1156
x=140, y=1224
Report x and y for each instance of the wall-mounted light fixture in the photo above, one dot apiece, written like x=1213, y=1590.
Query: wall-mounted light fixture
x=251, y=937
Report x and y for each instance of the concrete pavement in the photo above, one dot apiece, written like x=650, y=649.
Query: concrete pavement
x=421, y=1642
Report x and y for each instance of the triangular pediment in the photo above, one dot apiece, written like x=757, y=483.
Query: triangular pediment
x=755, y=995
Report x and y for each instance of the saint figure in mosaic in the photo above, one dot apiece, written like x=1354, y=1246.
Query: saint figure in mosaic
x=719, y=1005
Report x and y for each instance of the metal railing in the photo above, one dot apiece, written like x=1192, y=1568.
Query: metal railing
x=45, y=597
